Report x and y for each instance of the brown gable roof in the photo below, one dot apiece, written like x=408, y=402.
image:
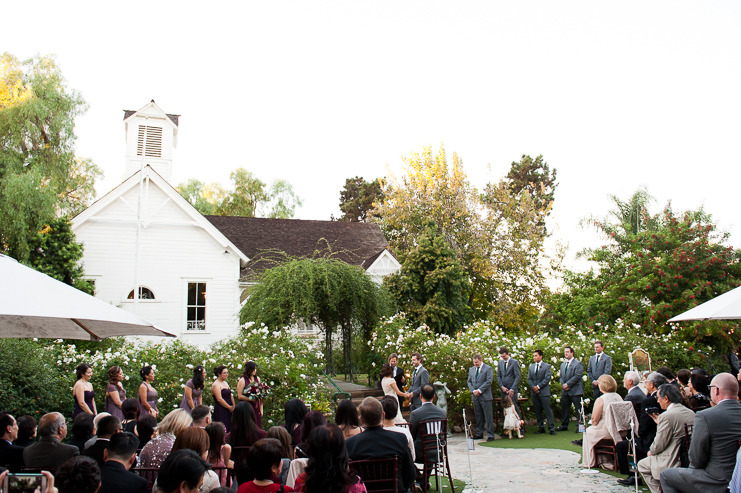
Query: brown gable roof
x=257, y=237
x=174, y=118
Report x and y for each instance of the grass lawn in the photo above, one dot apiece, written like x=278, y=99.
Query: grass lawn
x=562, y=441
x=445, y=484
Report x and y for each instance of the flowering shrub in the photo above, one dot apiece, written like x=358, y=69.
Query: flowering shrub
x=448, y=359
x=287, y=363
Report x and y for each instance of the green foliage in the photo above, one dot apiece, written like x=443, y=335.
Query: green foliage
x=357, y=198
x=535, y=177
x=205, y=198
x=55, y=252
x=323, y=291
x=431, y=287
x=40, y=176
x=674, y=262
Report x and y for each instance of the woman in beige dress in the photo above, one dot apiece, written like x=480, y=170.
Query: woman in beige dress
x=598, y=430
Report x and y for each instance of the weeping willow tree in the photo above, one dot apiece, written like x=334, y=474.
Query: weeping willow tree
x=326, y=292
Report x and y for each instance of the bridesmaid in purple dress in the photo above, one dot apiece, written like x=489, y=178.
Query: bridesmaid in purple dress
x=115, y=393
x=147, y=394
x=249, y=375
x=194, y=389
x=223, y=395
x=83, y=391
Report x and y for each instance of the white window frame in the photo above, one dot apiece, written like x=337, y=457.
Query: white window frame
x=186, y=283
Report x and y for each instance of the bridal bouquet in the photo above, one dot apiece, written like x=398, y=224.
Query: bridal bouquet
x=256, y=391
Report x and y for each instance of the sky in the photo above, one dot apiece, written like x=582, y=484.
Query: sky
x=614, y=95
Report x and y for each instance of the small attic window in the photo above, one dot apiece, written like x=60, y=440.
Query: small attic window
x=144, y=294
x=154, y=141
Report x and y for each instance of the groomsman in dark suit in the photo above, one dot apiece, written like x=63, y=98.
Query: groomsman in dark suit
x=398, y=374
x=572, y=387
x=480, y=378
x=508, y=377
x=599, y=364
x=11, y=455
x=539, y=379
x=420, y=378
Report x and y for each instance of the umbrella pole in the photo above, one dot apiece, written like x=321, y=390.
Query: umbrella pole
x=93, y=336
x=139, y=224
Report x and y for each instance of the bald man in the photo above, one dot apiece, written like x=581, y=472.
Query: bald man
x=714, y=443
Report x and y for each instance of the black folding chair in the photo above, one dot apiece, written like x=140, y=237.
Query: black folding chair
x=378, y=475
x=434, y=433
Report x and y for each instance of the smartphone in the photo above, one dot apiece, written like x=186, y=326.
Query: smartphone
x=24, y=483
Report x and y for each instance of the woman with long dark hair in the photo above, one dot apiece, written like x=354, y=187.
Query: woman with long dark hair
x=115, y=393
x=328, y=470
x=312, y=420
x=249, y=376
x=245, y=431
x=224, y=405
x=219, y=452
x=347, y=418
x=194, y=389
x=147, y=394
x=295, y=412
x=83, y=391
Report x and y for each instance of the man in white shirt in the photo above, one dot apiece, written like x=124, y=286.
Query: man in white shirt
x=390, y=408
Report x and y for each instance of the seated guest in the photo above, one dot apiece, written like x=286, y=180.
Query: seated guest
x=77, y=475
x=699, y=391
x=390, y=408
x=347, y=419
x=158, y=448
x=11, y=456
x=281, y=434
x=131, y=412
x=635, y=394
x=598, y=429
x=219, y=452
x=201, y=416
x=120, y=456
x=377, y=443
x=245, y=431
x=196, y=439
x=669, y=375
x=182, y=471
x=646, y=429
x=146, y=429
x=328, y=469
x=49, y=452
x=83, y=429
x=683, y=377
x=26, y=431
x=295, y=411
x=714, y=443
x=664, y=452
x=96, y=420
x=264, y=462
x=425, y=412
x=311, y=421
x=107, y=427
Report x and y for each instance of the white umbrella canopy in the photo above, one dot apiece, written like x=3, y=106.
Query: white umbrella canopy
x=724, y=307
x=33, y=304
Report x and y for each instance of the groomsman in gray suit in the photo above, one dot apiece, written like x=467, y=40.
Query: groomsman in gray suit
x=480, y=377
x=599, y=364
x=572, y=387
x=508, y=377
x=539, y=379
x=420, y=378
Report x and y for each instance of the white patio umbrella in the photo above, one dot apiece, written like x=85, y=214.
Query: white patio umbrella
x=33, y=304
x=724, y=307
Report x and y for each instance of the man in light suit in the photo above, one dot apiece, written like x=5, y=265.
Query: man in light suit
x=572, y=387
x=49, y=451
x=420, y=378
x=714, y=443
x=539, y=379
x=480, y=377
x=508, y=377
x=664, y=451
x=599, y=364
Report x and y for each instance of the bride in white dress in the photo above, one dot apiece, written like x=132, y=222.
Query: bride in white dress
x=388, y=384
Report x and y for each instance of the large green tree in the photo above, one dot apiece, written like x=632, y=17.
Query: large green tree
x=325, y=292
x=40, y=175
x=431, y=288
x=357, y=198
x=649, y=276
x=536, y=177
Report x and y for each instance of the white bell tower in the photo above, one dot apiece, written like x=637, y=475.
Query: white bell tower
x=151, y=133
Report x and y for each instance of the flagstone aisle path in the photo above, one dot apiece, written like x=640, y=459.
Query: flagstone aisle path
x=525, y=470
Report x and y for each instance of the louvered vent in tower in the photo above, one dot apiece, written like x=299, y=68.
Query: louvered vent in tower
x=154, y=141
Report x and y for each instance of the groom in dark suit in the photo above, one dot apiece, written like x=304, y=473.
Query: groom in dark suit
x=480, y=377
x=572, y=387
x=599, y=364
x=508, y=377
x=539, y=379
x=420, y=378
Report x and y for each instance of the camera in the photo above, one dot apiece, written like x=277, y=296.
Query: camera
x=653, y=410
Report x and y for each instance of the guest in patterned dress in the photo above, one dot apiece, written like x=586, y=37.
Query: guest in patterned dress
x=158, y=448
x=328, y=469
x=194, y=389
x=115, y=393
x=83, y=391
x=147, y=394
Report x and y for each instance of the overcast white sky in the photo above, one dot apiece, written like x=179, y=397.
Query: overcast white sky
x=614, y=94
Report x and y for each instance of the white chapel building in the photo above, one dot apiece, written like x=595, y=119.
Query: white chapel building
x=192, y=270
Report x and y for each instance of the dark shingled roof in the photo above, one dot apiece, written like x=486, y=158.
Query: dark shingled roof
x=259, y=238
x=174, y=118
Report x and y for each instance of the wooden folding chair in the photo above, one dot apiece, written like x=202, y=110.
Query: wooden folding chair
x=434, y=433
x=148, y=473
x=688, y=435
x=378, y=475
x=224, y=473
